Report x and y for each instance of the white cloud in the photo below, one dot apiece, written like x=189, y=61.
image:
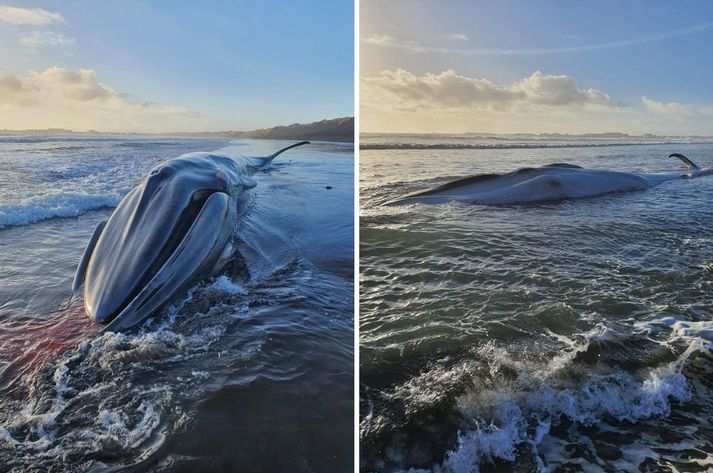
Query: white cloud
x=46, y=38
x=80, y=86
x=448, y=102
x=674, y=108
x=685, y=119
x=559, y=90
x=379, y=39
x=451, y=90
x=76, y=99
x=414, y=46
x=389, y=41
x=28, y=16
x=457, y=37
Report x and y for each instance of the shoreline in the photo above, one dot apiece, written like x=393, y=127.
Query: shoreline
x=336, y=130
x=316, y=140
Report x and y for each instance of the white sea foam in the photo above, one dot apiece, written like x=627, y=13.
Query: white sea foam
x=526, y=410
x=698, y=333
x=224, y=284
x=67, y=181
x=61, y=204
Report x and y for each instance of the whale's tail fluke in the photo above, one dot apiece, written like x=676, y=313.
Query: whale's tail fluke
x=689, y=164
x=264, y=162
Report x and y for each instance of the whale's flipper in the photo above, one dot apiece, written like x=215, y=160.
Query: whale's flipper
x=689, y=164
x=82, y=268
x=262, y=162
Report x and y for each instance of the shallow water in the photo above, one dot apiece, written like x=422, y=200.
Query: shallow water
x=571, y=336
x=254, y=375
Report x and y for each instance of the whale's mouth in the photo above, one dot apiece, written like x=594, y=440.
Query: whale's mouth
x=177, y=234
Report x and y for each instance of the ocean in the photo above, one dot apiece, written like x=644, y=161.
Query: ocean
x=235, y=375
x=563, y=336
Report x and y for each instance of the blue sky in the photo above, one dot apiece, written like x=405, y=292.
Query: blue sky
x=219, y=64
x=652, y=59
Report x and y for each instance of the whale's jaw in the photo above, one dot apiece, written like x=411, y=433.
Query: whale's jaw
x=173, y=229
x=170, y=231
x=202, y=252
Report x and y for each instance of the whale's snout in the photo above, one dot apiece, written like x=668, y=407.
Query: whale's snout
x=165, y=234
x=171, y=230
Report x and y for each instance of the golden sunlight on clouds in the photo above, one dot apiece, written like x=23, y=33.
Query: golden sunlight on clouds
x=63, y=98
x=28, y=16
x=447, y=102
x=451, y=90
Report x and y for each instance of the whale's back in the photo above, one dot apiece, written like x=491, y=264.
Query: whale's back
x=528, y=185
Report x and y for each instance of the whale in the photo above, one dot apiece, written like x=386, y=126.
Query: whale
x=174, y=229
x=549, y=183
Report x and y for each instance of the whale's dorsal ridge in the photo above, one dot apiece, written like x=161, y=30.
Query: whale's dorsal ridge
x=563, y=165
x=460, y=182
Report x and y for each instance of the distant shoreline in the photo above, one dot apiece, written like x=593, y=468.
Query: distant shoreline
x=540, y=136
x=334, y=130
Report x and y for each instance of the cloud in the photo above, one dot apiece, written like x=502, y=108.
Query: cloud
x=677, y=112
x=560, y=90
x=660, y=107
x=379, y=39
x=76, y=99
x=28, y=16
x=390, y=41
x=676, y=108
x=457, y=37
x=14, y=91
x=451, y=90
x=46, y=38
x=414, y=46
x=78, y=86
x=447, y=102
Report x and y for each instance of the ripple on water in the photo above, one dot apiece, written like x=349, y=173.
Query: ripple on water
x=535, y=337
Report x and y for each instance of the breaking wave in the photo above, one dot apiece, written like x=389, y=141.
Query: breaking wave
x=63, y=204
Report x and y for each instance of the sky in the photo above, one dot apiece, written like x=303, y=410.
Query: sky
x=536, y=66
x=174, y=65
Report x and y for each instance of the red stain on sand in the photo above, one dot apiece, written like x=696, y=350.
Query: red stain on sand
x=26, y=347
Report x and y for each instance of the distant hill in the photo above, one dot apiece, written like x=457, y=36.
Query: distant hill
x=337, y=129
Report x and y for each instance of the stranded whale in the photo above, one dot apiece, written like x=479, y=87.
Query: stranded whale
x=547, y=183
x=173, y=229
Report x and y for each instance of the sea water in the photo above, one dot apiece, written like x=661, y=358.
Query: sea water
x=562, y=336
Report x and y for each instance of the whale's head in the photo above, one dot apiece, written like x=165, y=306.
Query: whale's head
x=170, y=230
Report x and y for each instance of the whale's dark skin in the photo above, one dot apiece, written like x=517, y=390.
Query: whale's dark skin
x=547, y=183
x=172, y=230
